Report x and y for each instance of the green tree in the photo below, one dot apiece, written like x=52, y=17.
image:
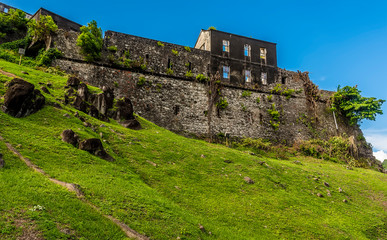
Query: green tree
x=42, y=30
x=13, y=21
x=90, y=41
x=348, y=102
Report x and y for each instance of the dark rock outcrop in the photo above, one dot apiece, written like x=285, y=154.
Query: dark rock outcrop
x=22, y=99
x=73, y=82
x=95, y=147
x=70, y=137
x=1, y=161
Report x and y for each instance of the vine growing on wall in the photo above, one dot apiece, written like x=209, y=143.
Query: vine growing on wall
x=214, y=98
x=312, y=93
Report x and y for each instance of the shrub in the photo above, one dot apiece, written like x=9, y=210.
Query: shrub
x=212, y=28
x=141, y=81
x=169, y=71
x=90, y=41
x=13, y=21
x=269, y=98
x=348, y=102
x=201, y=78
x=175, y=52
x=258, y=100
x=274, y=122
x=112, y=49
x=246, y=94
x=42, y=30
x=15, y=45
x=160, y=44
x=222, y=103
x=188, y=49
x=257, y=143
x=45, y=58
x=188, y=74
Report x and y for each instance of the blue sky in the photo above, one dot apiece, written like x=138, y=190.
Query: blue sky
x=337, y=42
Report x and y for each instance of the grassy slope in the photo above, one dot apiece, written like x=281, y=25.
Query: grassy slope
x=185, y=189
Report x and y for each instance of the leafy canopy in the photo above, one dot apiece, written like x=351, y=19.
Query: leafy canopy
x=13, y=21
x=351, y=104
x=90, y=41
x=41, y=30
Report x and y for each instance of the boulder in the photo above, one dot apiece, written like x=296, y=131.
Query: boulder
x=248, y=180
x=124, y=109
x=70, y=137
x=131, y=124
x=22, y=99
x=73, y=82
x=95, y=147
x=1, y=161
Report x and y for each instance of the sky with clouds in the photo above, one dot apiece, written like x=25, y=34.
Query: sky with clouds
x=338, y=42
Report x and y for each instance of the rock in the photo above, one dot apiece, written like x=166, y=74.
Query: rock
x=104, y=101
x=26, y=73
x=101, y=134
x=320, y=195
x=87, y=124
x=49, y=84
x=261, y=162
x=124, y=109
x=326, y=184
x=95, y=147
x=345, y=201
x=202, y=228
x=228, y=161
x=297, y=162
x=202, y=156
x=340, y=190
x=66, y=115
x=73, y=82
x=248, y=180
x=102, y=125
x=151, y=163
x=70, y=137
x=81, y=105
x=83, y=92
x=22, y=99
x=132, y=124
x=329, y=193
x=349, y=168
x=56, y=105
x=316, y=179
x=76, y=114
x=1, y=161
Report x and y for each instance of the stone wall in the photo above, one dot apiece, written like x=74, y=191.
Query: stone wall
x=181, y=105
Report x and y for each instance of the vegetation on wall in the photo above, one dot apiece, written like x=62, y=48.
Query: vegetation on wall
x=90, y=41
x=188, y=49
x=349, y=103
x=283, y=90
x=160, y=44
x=201, y=78
x=11, y=22
x=42, y=30
x=45, y=58
x=246, y=94
x=274, y=122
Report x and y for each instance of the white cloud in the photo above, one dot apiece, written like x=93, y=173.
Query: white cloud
x=378, y=138
x=380, y=155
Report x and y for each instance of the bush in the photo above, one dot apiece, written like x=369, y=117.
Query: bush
x=349, y=103
x=222, y=103
x=188, y=49
x=141, y=81
x=201, y=78
x=13, y=21
x=175, y=52
x=42, y=30
x=90, y=41
x=257, y=143
x=45, y=58
x=246, y=94
x=160, y=44
x=169, y=71
x=112, y=49
x=15, y=45
x=189, y=74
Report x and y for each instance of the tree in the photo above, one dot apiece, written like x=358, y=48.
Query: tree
x=348, y=102
x=11, y=22
x=90, y=41
x=42, y=30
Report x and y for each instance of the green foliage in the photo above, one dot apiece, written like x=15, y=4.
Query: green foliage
x=90, y=41
x=258, y=100
x=141, y=81
x=160, y=44
x=112, y=49
x=246, y=94
x=201, y=78
x=222, y=103
x=256, y=143
x=212, y=28
x=244, y=108
x=189, y=74
x=175, y=52
x=13, y=21
x=348, y=102
x=385, y=164
x=15, y=45
x=274, y=122
x=283, y=90
x=269, y=98
x=188, y=49
x=42, y=30
x=169, y=71
x=45, y=58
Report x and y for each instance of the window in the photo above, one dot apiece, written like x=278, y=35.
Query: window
x=263, y=53
x=226, y=46
x=283, y=80
x=226, y=72
x=248, y=76
x=6, y=10
x=169, y=64
x=264, y=78
x=247, y=50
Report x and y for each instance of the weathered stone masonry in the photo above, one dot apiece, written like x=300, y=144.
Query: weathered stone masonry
x=180, y=104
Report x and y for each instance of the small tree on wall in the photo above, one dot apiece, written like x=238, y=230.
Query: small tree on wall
x=42, y=30
x=90, y=41
x=351, y=104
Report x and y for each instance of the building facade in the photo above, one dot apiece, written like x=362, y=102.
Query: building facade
x=240, y=60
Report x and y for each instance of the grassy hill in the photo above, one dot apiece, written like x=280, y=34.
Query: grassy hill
x=165, y=186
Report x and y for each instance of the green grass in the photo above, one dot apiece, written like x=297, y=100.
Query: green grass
x=183, y=190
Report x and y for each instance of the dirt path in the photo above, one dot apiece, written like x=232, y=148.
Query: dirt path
x=8, y=74
x=77, y=189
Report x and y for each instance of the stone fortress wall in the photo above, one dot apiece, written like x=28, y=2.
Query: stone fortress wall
x=181, y=103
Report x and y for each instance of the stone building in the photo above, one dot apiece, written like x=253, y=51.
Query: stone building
x=4, y=8
x=63, y=23
x=240, y=60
